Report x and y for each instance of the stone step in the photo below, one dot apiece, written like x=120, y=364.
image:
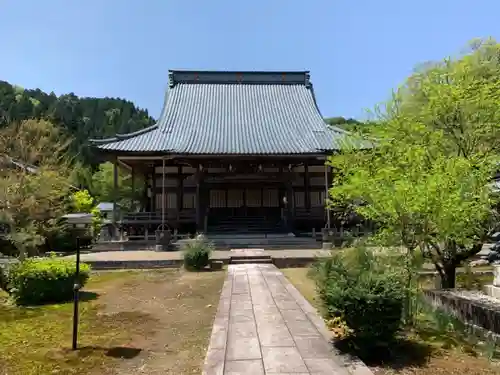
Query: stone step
x=247, y=257
x=315, y=246
x=240, y=230
x=251, y=261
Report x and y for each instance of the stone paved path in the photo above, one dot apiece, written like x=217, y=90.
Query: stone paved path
x=264, y=326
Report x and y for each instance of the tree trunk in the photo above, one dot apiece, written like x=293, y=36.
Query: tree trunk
x=22, y=253
x=407, y=307
x=448, y=276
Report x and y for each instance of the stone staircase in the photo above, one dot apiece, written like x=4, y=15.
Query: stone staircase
x=246, y=256
x=276, y=241
x=245, y=225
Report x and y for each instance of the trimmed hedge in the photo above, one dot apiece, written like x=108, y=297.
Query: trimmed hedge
x=38, y=281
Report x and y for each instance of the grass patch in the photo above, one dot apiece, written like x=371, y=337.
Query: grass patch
x=158, y=319
x=437, y=346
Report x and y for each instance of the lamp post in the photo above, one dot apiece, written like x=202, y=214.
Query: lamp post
x=76, y=296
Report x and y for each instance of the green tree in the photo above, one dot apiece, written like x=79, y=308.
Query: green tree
x=34, y=182
x=426, y=182
x=102, y=187
x=350, y=124
x=82, y=201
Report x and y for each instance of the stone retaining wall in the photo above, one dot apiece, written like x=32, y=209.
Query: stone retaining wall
x=480, y=317
x=177, y=263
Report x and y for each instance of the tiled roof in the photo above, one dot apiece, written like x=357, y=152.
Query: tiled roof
x=235, y=113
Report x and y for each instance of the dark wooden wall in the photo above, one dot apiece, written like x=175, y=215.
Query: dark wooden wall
x=219, y=185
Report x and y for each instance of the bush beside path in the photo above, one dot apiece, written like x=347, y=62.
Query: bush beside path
x=435, y=346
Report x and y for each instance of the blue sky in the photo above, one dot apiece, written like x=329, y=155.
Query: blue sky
x=357, y=50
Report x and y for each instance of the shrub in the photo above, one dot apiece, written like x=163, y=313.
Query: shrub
x=64, y=239
x=197, y=253
x=44, y=280
x=364, y=291
x=97, y=222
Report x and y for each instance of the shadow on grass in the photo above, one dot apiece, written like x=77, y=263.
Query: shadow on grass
x=88, y=296
x=398, y=354
x=10, y=311
x=84, y=296
x=122, y=352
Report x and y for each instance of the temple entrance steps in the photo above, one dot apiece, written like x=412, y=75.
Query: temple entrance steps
x=249, y=256
x=245, y=224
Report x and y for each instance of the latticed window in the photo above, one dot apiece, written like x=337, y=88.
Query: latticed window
x=270, y=198
x=317, y=198
x=217, y=198
x=300, y=199
x=235, y=198
x=170, y=201
x=253, y=198
x=189, y=200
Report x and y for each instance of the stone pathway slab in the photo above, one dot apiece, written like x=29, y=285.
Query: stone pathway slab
x=264, y=326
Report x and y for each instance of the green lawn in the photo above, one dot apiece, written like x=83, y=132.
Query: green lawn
x=120, y=318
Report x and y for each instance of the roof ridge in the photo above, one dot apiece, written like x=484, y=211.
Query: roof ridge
x=239, y=77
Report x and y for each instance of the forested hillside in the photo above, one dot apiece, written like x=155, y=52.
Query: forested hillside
x=81, y=118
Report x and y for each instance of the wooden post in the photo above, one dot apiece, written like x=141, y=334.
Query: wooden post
x=145, y=196
x=179, y=194
x=132, y=183
x=153, y=189
x=115, y=197
x=198, y=198
x=307, y=189
x=163, y=203
x=281, y=194
x=289, y=205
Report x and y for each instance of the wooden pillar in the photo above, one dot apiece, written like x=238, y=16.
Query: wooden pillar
x=132, y=184
x=163, y=200
x=290, y=204
x=307, y=187
x=199, y=220
x=281, y=194
x=145, y=197
x=115, y=196
x=245, y=201
x=179, y=194
x=153, y=189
